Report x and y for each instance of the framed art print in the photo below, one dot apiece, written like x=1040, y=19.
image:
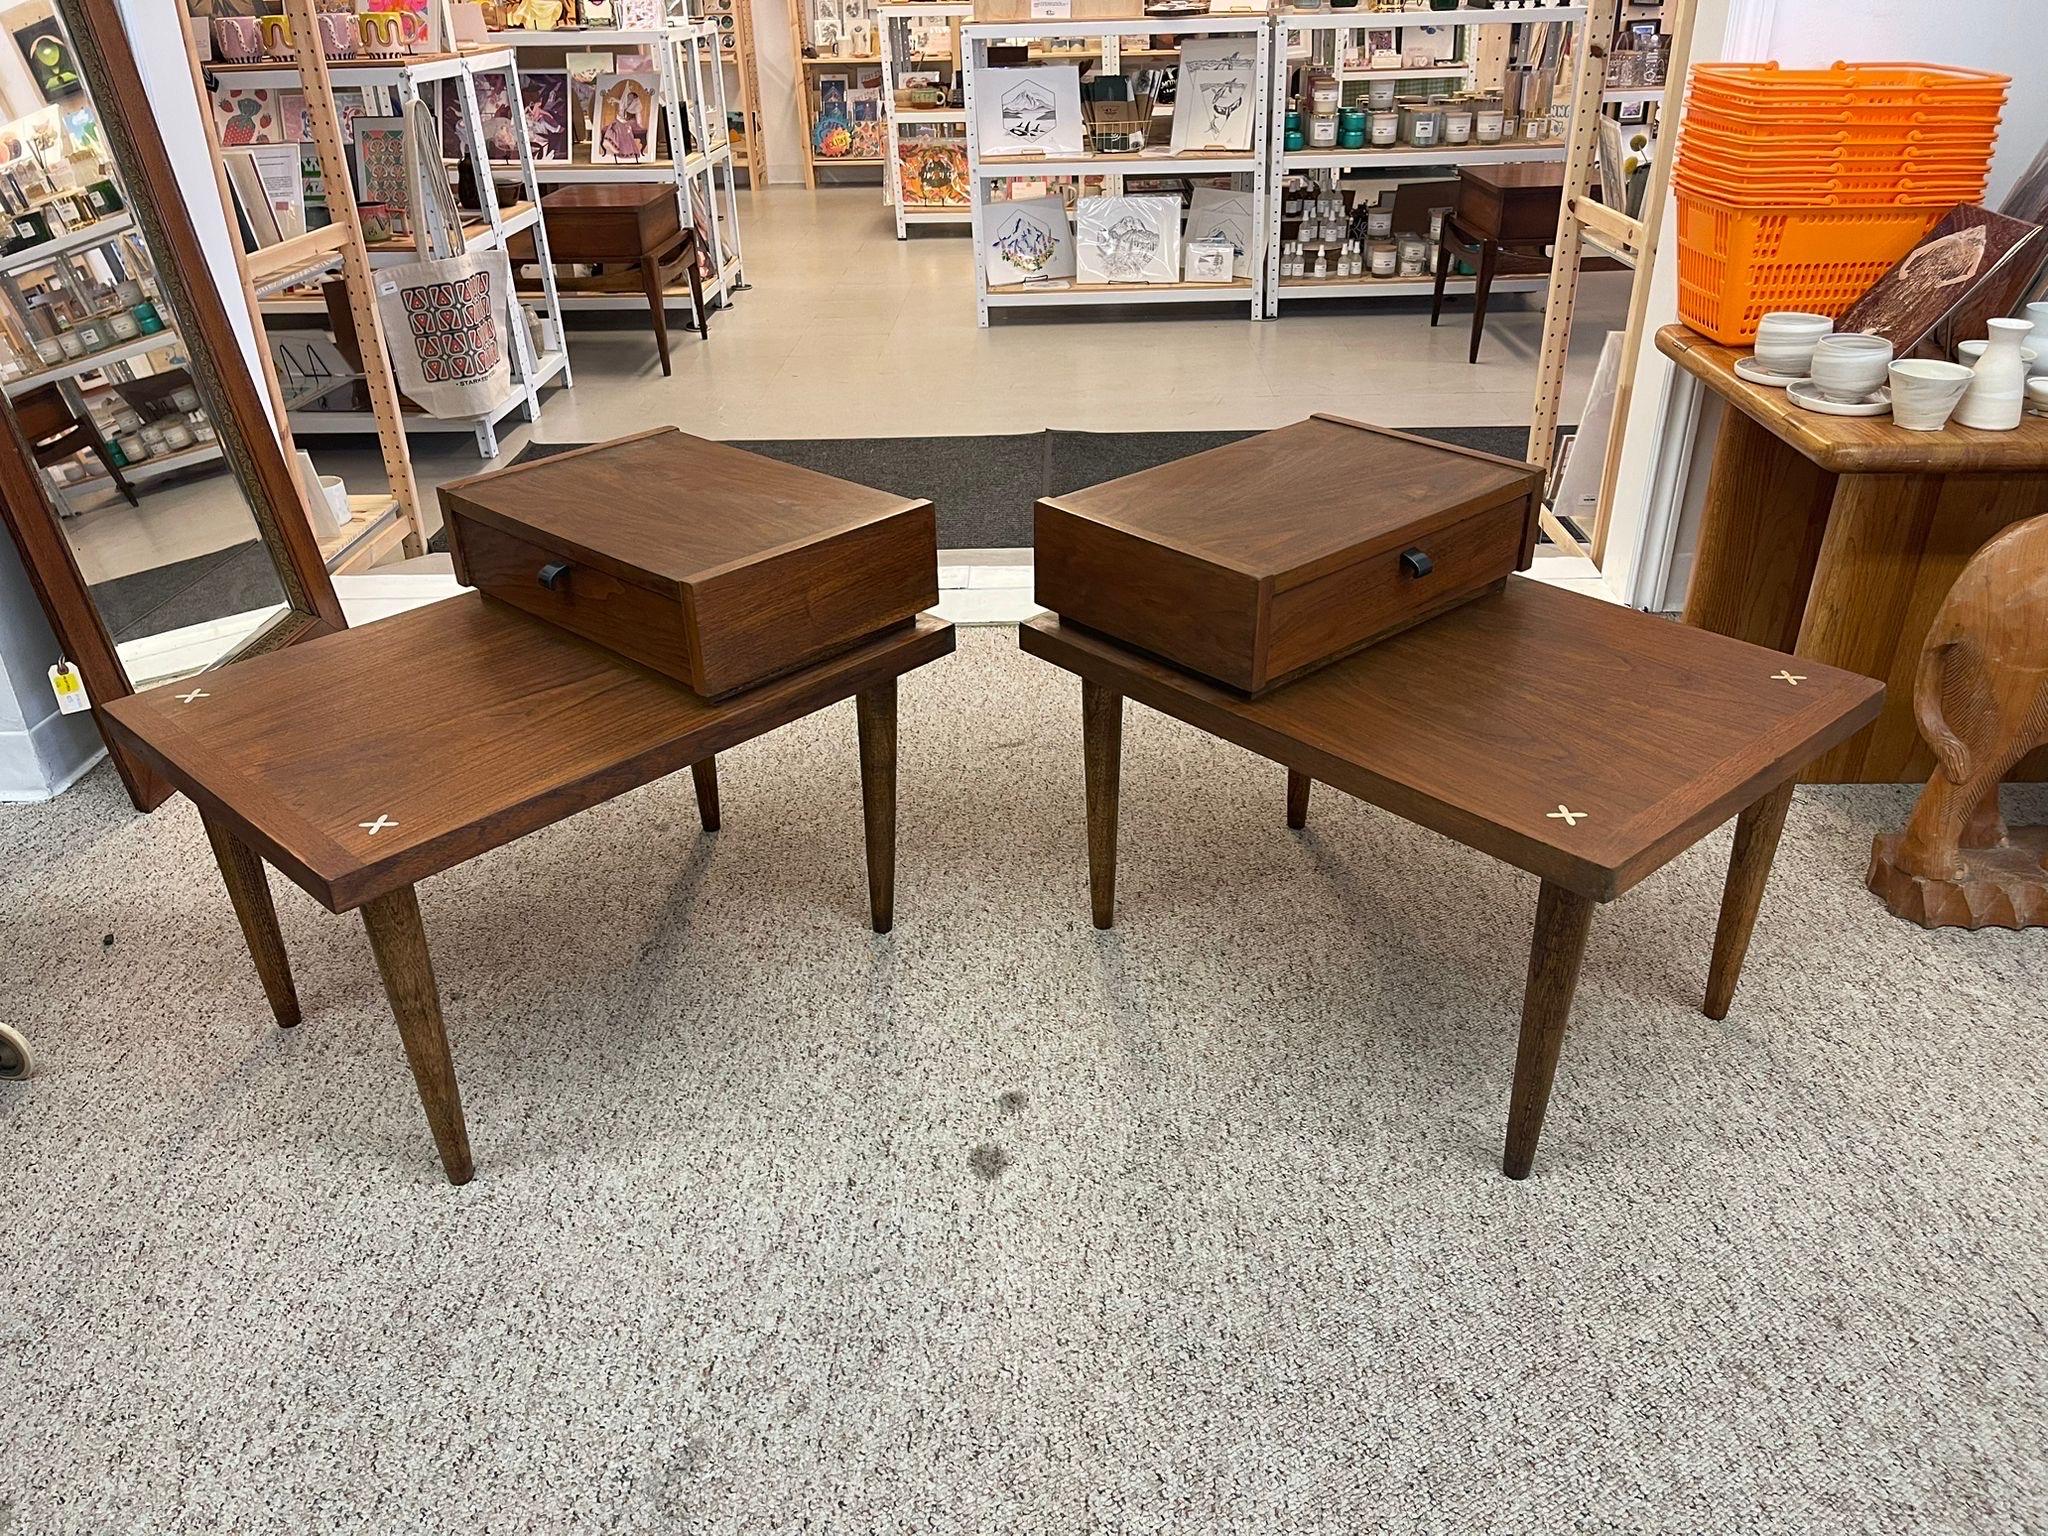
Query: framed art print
x=1030, y=111
x=1028, y=242
x=1218, y=94
x=623, y=129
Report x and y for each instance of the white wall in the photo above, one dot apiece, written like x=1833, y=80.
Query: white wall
x=1657, y=494
x=775, y=63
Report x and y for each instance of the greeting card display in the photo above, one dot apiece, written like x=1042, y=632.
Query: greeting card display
x=1029, y=111
x=1028, y=242
x=1127, y=239
x=380, y=161
x=544, y=97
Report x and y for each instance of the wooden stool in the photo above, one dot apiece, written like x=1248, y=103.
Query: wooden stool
x=631, y=225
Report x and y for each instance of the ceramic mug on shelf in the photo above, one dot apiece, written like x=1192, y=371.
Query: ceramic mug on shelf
x=1850, y=368
x=277, y=35
x=1925, y=392
x=238, y=39
x=1785, y=340
x=375, y=221
x=383, y=34
x=339, y=35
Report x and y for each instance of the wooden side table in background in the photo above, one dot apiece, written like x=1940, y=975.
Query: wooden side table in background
x=630, y=225
x=1837, y=538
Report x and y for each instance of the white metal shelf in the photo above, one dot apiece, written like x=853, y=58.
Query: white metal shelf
x=1236, y=291
x=1394, y=287
x=309, y=421
x=1009, y=167
x=1408, y=157
x=350, y=74
x=1363, y=20
x=92, y=362
x=103, y=232
x=1002, y=31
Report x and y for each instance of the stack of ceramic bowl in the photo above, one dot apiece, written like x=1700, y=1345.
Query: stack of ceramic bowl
x=1847, y=376
x=1799, y=188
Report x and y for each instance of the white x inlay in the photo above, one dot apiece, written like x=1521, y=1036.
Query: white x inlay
x=374, y=827
x=196, y=693
x=1569, y=818
x=1794, y=678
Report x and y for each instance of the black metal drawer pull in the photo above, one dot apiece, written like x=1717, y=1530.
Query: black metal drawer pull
x=1415, y=563
x=555, y=575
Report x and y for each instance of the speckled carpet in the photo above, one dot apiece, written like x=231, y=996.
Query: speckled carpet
x=1000, y=1225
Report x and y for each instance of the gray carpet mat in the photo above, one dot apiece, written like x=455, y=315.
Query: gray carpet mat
x=983, y=486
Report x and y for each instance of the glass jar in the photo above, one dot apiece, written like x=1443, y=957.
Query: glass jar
x=1385, y=129
x=123, y=324
x=1489, y=124
x=1457, y=125
x=1379, y=224
x=1322, y=132
x=1385, y=260
x=177, y=435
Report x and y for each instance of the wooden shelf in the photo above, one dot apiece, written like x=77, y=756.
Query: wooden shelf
x=373, y=527
x=272, y=263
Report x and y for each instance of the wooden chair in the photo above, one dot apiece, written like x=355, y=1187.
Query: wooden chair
x=55, y=432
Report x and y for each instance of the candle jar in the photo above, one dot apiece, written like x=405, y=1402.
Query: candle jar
x=1489, y=124
x=1384, y=258
x=49, y=351
x=1322, y=132
x=93, y=332
x=1379, y=224
x=72, y=344
x=1457, y=125
x=177, y=435
x=1385, y=129
x=123, y=324
x=1413, y=256
x=1379, y=95
x=133, y=448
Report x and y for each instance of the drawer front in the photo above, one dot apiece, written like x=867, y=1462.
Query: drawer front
x=1334, y=615
x=638, y=624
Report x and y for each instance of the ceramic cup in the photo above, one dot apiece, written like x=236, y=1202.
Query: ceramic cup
x=1925, y=392
x=2038, y=313
x=1849, y=368
x=339, y=35
x=335, y=494
x=383, y=34
x=375, y=221
x=1786, y=338
x=238, y=39
x=277, y=35
x=2037, y=397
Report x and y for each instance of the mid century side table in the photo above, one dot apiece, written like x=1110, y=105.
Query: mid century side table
x=314, y=761
x=633, y=226
x=1837, y=538
x=1583, y=742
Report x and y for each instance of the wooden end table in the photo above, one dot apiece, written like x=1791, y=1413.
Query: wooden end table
x=1503, y=224
x=1837, y=538
x=1581, y=741
x=631, y=225
x=324, y=761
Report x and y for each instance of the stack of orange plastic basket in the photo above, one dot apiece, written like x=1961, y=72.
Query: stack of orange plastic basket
x=1799, y=188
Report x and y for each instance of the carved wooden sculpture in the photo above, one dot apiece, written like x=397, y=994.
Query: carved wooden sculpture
x=1982, y=704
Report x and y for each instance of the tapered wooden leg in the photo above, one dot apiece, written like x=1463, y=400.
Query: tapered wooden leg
x=1297, y=799
x=400, y=944
x=1749, y=867
x=1562, y=920
x=1102, y=744
x=877, y=713
x=706, y=775
x=657, y=304
x=249, y=889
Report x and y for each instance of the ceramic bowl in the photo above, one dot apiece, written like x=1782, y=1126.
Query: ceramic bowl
x=1925, y=392
x=1846, y=369
x=2037, y=397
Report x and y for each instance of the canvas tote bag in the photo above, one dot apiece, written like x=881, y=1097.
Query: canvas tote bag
x=444, y=322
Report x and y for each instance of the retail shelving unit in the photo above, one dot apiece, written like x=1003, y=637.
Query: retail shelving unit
x=691, y=85
x=294, y=263
x=904, y=122
x=1403, y=159
x=984, y=172
x=735, y=50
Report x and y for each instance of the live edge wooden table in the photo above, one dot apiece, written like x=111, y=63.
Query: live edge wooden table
x=1583, y=742
x=1838, y=537
x=364, y=762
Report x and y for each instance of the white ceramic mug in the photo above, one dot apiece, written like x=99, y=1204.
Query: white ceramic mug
x=1849, y=368
x=1785, y=341
x=1925, y=392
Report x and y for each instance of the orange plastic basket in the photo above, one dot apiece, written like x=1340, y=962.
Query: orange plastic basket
x=1737, y=264
x=1768, y=88
x=1835, y=192
x=1830, y=156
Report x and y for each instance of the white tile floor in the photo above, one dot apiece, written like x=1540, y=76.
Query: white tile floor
x=847, y=332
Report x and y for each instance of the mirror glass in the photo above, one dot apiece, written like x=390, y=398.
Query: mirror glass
x=94, y=373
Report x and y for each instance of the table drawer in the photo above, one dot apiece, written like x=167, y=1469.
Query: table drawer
x=1392, y=589
x=645, y=626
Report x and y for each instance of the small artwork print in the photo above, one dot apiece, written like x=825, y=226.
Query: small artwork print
x=623, y=130
x=246, y=116
x=598, y=13
x=1218, y=92
x=380, y=161
x=1950, y=266
x=932, y=173
x=1127, y=239
x=35, y=141
x=1028, y=242
x=1026, y=111
x=544, y=97
x=494, y=108
x=48, y=52
x=1215, y=214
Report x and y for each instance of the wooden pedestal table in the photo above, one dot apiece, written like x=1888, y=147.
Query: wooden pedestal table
x=1838, y=537
x=362, y=763
x=1583, y=742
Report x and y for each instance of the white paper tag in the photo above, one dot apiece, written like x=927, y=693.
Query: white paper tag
x=69, y=688
x=1052, y=10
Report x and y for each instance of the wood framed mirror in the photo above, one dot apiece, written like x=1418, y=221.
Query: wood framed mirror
x=140, y=474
